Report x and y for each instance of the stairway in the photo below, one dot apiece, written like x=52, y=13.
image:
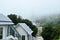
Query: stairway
x=40, y=38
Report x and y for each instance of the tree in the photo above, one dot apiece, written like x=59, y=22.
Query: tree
x=33, y=27
x=13, y=18
x=51, y=31
x=51, y=27
x=47, y=32
x=16, y=20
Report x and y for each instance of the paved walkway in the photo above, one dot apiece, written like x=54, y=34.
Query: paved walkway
x=39, y=38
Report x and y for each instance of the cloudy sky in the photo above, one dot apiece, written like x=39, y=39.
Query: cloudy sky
x=30, y=8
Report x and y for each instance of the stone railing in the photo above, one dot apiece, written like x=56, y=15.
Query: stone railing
x=10, y=38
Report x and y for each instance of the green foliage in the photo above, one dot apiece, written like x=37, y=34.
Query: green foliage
x=13, y=18
x=47, y=31
x=33, y=27
x=51, y=31
x=51, y=27
x=16, y=20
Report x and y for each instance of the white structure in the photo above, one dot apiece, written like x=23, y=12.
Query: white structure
x=24, y=31
x=8, y=31
x=38, y=36
x=7, y=28
x=4, y=24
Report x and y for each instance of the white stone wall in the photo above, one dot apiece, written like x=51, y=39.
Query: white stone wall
x=34, y=38
x=21, y=32
x=40, y=38
x=4, y=31
x=30, y=37
x=39, y=31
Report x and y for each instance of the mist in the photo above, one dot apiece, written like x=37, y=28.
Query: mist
x=30, y=9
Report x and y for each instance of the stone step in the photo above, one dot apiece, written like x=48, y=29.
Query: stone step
x=40, y=38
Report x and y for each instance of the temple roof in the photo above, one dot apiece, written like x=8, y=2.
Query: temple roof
x=5, y=20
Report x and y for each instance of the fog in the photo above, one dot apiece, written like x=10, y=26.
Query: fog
x=30, y=9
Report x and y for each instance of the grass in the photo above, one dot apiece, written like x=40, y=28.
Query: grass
x=57, y=38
